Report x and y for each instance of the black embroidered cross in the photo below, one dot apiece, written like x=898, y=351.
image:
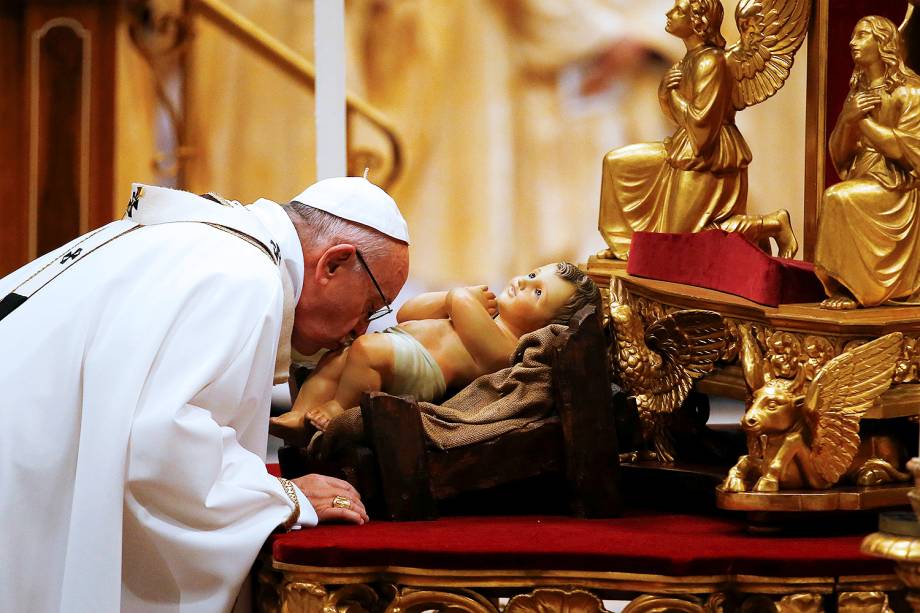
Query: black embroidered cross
x=135, y=198
x=72, y=254
x=276, y=250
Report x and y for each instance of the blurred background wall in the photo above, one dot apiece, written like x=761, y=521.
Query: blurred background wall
x=504, y=109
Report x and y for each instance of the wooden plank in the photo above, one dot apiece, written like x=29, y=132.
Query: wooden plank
x=394, y=428
x=584, y=402
x=532, y=450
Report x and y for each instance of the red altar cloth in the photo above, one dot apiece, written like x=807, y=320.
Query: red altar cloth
x=653, y=543
x=723, y=261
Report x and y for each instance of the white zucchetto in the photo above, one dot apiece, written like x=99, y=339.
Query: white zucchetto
x=357, y=199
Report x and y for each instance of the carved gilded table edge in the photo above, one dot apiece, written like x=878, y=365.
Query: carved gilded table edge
x=599, y=580
x=289, y=588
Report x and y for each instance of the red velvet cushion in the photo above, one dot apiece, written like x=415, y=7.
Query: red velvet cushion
x=665, y=544
x=273, y=469
x=723, y=261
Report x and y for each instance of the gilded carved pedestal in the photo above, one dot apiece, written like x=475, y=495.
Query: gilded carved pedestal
x=794, y=343
x=294, y=589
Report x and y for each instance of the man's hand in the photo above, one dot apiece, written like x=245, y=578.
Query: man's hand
x=485, y=297
x=322, y=491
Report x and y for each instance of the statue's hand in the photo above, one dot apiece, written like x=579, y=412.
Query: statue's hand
x=850, y=111
x=867, y=101
x=486, y=297
x=673, y=77
x=859, y=105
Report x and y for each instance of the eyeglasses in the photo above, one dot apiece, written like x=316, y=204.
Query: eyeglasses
x=386, y=309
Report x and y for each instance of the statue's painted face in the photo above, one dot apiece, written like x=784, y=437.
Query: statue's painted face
x=863, y=45
x=679, y=23
x=531, y=301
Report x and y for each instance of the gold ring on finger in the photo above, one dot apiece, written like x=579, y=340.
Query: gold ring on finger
x=340, y=502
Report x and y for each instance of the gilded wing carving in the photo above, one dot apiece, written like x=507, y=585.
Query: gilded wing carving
x=684, y=345
x=694, y=340
x=842, y=391
x=656, y=364
x=771, y=32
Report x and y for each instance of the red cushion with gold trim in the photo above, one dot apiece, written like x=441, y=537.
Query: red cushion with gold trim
x=659, y=543
x=723, y=261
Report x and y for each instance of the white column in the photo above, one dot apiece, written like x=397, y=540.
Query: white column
x=329, y=40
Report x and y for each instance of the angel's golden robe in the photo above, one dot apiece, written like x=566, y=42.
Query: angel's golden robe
x=694, y=178
x=868, y=233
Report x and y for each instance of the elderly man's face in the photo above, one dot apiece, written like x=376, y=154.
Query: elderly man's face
x=339, y=308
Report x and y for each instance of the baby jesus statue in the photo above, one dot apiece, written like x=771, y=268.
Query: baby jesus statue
x=442, y=340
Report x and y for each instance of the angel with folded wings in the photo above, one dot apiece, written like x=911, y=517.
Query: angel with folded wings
x=696, y=179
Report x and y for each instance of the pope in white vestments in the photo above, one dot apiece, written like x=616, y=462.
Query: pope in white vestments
x=134, y=406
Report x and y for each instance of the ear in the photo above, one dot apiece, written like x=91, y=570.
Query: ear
x=331, y=260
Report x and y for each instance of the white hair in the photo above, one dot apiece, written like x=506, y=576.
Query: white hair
x=322, y=228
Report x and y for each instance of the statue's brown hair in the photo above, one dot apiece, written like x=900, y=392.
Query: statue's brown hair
x=586, y=292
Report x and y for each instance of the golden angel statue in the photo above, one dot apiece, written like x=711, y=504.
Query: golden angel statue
x=811, y=440
x=697, y=178
x=868, y=248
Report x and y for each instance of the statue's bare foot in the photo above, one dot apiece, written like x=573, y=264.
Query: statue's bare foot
x=290, y=426
x=321, y=415
x=767, y=484
x=786, y=243
x=607, y=254
x=839, y=302
x=733, y=483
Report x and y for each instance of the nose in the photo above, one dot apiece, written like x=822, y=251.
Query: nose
x=750, y=421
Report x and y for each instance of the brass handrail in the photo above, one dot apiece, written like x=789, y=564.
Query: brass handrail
x=296, y=66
